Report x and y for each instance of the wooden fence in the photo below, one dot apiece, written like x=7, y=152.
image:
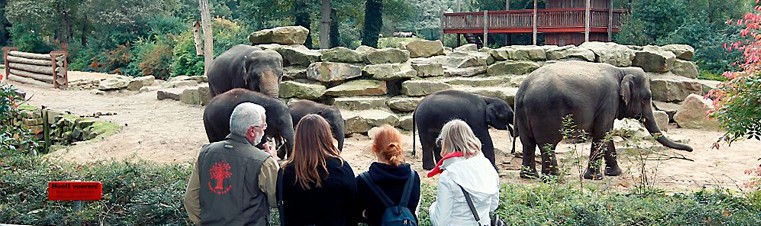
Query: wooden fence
x=49, y=70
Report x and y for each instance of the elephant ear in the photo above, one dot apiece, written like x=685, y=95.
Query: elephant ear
x=627, y=84
x=491, y=114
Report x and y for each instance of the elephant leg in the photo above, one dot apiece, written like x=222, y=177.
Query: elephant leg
x=528, y=167
x=428, y=144
x=487, y=146
x=595, y=163
x=611, y=165
x=549, y=161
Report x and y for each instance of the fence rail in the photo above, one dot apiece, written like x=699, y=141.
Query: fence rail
x=507, y=21
x=50, y=70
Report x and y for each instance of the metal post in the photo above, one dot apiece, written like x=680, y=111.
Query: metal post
x=486, y=28
x=45, y=131
x=534, y=23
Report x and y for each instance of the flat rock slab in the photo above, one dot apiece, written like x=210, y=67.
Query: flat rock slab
x=361, y=103
x=358, y=88
x=363, y=121
x=416, y=88
x=169, y=94
x=668, y=87
x=404, y=104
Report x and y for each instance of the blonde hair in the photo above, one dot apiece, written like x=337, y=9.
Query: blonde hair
x=457, y=136
x=387, y=144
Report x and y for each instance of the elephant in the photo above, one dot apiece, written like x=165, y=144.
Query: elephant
x=216, y=116
x=593, y=95
x=331, y=114
x=479, y=112
x=244, y=66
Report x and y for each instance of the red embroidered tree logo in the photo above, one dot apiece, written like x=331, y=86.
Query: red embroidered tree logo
x=219, y=172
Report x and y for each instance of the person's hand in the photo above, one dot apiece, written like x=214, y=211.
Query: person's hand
x=270, y=150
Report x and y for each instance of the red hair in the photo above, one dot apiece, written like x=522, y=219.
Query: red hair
x=387, y=144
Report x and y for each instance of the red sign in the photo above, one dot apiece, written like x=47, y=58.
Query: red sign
x=75, y=190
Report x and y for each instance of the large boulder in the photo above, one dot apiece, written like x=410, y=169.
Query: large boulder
x=405, y=122
x=139, y=82
x=685, y=68
x=403, y=104
x=386, y=56
x=341, y=54
x=191, y=96
x=693, y=114
x=363, y=121
x=512, y=68
x=301, y=90
x=501, y=53
x=332, y=72
x=358, y=88
x=298, y=55
x=425, y=48
x=288, y=35
x=662, y=120
x=629, y=128
x=204, y=93
x=416, y=88
x=654, y=59
x=610, y=53
x=684, y=52
x=179, y=83
x=669, y=108
x=169, y=94
x=365, y=49
x=467, y=48
x=428, y=69
x=389, y=71
x=464, y=72
x=472, y=59
x=533, y=53
x=671, y=88
x=295, y=72
x=116, y=83
x=570, y=51
x=361, y=103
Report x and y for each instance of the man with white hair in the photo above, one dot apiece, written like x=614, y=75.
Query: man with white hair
x=233, y=182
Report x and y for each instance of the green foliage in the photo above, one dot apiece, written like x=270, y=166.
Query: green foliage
x=139, y=193
x=15, y=137
x=27, y=39
x=373, y=22
x=711, y=76
x=151, y=58
x=227, y=33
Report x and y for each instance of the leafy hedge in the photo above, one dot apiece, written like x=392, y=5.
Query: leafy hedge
x=145, y=193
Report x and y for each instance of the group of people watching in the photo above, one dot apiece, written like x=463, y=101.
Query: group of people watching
x=236, y=183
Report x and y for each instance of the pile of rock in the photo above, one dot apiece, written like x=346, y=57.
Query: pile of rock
x=65, y=128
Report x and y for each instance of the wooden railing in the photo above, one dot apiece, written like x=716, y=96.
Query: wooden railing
x=520, y=20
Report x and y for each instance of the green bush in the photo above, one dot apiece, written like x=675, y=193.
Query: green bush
x=26, y=38
x=151, y=58
x=226, y=34
x=15, y=137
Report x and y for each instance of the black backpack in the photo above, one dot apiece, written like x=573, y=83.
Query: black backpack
x=394, y=214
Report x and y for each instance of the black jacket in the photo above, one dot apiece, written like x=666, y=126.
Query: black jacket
x=391, y=180
x=330, y=205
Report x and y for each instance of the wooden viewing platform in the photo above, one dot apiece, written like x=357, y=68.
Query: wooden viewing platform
x=562, y=22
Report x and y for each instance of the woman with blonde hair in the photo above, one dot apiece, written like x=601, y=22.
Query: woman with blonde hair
x=466, y=177
x=318, y=186
x=389, y=181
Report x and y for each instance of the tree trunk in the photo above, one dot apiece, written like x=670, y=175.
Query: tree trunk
x=83, y=39
x=373, y=22
x=208, y=49
x=335, y=38
x=303, y=19
x=325, y=25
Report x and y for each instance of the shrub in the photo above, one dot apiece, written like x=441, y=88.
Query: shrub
x=27, y=39
x=15, y=137
x=151, y=58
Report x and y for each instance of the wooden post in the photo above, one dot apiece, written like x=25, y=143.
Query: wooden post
x=325, y=25
x=486, y=28
x=197, y=38
x=534, y=23
x=208, y=48
x=587, y=18
x=610, y=20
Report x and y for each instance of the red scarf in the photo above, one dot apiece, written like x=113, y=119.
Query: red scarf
x=437, y=169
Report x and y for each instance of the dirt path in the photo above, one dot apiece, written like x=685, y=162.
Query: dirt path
x=171, y=132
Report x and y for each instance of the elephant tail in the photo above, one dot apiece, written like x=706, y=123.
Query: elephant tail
x=514, y=131
x=413, y=133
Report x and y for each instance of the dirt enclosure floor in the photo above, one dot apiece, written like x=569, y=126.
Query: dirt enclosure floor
x=171, y=132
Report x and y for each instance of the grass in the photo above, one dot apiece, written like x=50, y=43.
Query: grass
x=144, y=193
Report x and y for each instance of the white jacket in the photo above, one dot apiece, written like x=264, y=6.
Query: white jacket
x=477, y=175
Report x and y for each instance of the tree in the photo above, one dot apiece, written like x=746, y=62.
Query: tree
x=373, y=22
x=737, y=102
x=303, y=18
x=208, y=40
x=335, y=38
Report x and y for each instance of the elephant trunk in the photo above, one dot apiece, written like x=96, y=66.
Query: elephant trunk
x=288, y=136
x=652, y=127
x=269, y=83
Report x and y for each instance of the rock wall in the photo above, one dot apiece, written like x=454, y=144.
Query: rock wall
x=65, y=128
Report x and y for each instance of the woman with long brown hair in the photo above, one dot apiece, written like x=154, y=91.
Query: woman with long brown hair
x=318, y=186
x=391, y=176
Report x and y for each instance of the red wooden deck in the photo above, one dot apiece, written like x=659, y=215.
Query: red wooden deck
x=520, y=21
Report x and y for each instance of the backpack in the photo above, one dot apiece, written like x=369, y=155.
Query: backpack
x=394, y=214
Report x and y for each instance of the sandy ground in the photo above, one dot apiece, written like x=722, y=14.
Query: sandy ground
x=171, y=132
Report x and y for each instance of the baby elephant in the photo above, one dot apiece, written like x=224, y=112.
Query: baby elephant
x=331, y=114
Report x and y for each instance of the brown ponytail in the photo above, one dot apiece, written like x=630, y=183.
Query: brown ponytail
x=387, y=145
x=393, y=153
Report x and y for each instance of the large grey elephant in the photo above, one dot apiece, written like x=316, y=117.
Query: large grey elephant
x=216, y=116
x=593, y=94
x=301, y=108
x=244, y=66
x=479, y=112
